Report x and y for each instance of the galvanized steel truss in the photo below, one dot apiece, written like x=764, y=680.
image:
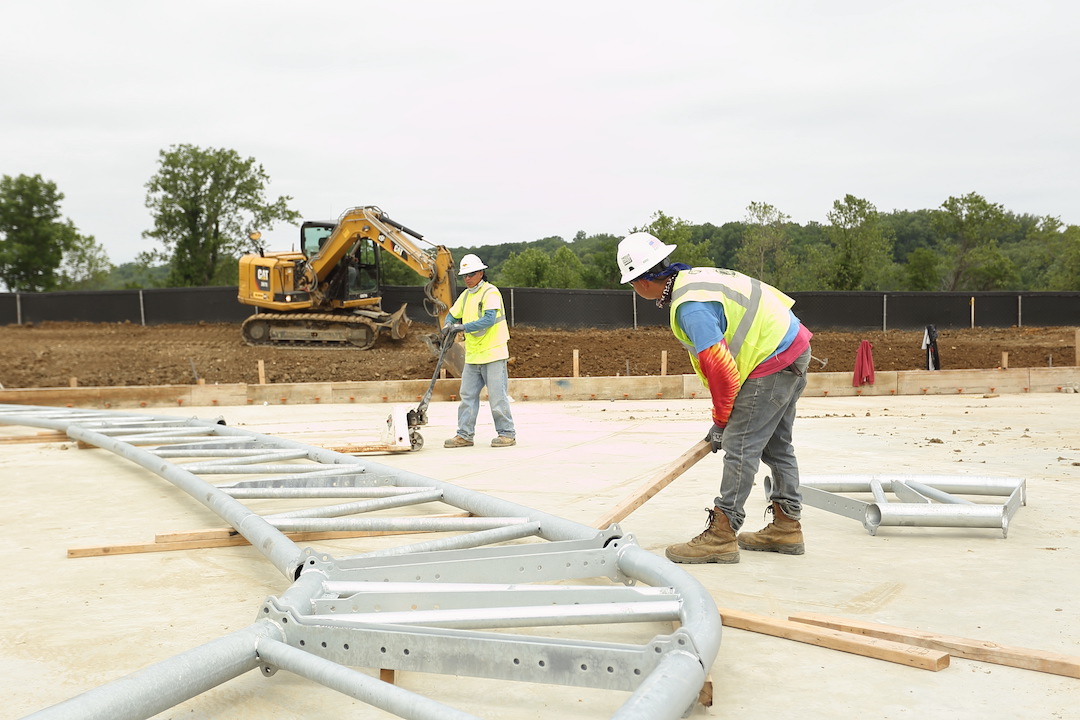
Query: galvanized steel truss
x=921, y=500
x=438, y=606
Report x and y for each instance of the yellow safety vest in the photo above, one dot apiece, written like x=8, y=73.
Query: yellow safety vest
x=488, y=345
x=758, y=314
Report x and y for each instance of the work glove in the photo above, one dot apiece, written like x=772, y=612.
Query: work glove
x=715, y=437
x=452, y=329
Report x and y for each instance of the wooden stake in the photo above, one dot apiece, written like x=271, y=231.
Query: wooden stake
x=982, y=650
x=892, y=651
x=1076, y=349
x=1005, y=360
x=683, y=463
x=575, y=362
x=663, y=363
x=73, y=382
x=262, y=372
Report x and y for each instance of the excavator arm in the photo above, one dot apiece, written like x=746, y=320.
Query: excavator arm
x=371, y=223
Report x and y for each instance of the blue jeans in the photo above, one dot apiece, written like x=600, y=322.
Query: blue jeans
x=473, y=380
x=759, y=430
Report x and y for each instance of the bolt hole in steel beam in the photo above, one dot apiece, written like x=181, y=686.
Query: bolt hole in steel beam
x=461, y=634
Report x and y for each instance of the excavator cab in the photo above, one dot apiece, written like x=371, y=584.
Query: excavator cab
x=358, y=271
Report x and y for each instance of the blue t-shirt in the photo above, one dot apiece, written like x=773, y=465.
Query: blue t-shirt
x=706, y=322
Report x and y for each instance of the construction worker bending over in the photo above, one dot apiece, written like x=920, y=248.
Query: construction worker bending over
x=751, y=352
x=479, y=313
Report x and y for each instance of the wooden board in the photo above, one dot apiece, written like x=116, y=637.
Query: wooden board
x=982, y=650
x=683, y=463
x=41, y=437
x=226, y=537
x=892, y=651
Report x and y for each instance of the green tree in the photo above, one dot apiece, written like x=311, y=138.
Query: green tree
x=722, y=242
x=861, y=247
x=529, y=268
x=922, y=271
x=85, y=266
x=1064, y=274
x=34, y=239
x=565, y=270
x=535, y=268
x=969, y=228
x=204, y=203
x=597, y=252
x=678, y=232
x=910, y=230
x=764, y=251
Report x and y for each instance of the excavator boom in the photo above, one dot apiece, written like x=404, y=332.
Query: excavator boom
x=328, y=294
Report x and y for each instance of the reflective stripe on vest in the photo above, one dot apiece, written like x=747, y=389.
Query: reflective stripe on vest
x=757, y=314
x=489, y=345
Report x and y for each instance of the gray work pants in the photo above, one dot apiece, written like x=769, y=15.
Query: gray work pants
x=759, y=430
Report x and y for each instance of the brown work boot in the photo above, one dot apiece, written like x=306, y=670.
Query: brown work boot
x=457, y=441
x=782, y=535
x=716, y=544
x=503, y=441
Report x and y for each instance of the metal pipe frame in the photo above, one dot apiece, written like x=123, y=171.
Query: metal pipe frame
x=427, y=606
x=924, y=500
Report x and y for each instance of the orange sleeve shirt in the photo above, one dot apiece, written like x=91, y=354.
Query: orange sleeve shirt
x=722, y=377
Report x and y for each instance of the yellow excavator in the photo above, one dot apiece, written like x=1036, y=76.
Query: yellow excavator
x=328, y=294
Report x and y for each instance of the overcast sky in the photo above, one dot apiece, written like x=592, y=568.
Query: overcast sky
x=506, y=121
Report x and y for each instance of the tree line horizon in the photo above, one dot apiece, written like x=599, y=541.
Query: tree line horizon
x=205, y=202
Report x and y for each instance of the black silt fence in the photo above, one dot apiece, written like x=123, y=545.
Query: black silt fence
x=558, y=308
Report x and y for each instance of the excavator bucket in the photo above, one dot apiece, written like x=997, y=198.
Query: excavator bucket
x=454, y=357
x=399, y=324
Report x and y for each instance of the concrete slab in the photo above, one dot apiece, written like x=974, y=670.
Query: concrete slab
x=77, y=623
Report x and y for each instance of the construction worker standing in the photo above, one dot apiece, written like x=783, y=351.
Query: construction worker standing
x=752, y=353
x=479, y=313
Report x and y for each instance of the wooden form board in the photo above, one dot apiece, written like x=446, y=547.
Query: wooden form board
x=683, y=463
x=981, y=650
x=227, y=537
x=890, y=650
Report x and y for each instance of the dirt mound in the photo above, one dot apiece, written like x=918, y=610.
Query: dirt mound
x=119, y=354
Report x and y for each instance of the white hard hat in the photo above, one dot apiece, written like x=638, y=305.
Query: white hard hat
x=470, y=264
x=638, y=253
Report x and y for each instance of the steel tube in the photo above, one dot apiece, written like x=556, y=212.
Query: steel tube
x=471, y=540
x=157, y=688
x=947, y=483
x=935, y=494
x=700, y=618
x=348, y=491
x=360, y=506
x=282, y=552
x=514, y=616
x=976, y=516
x=419, y=524
x=678, y=675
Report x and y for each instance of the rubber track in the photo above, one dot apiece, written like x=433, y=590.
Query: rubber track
x=292, y=318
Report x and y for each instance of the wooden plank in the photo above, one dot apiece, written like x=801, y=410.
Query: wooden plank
x=880, y=649
x=982, y=650
x=684, y=462
x=233, y=540
x=361, y=449
x=41, y=437
x=226, y=532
